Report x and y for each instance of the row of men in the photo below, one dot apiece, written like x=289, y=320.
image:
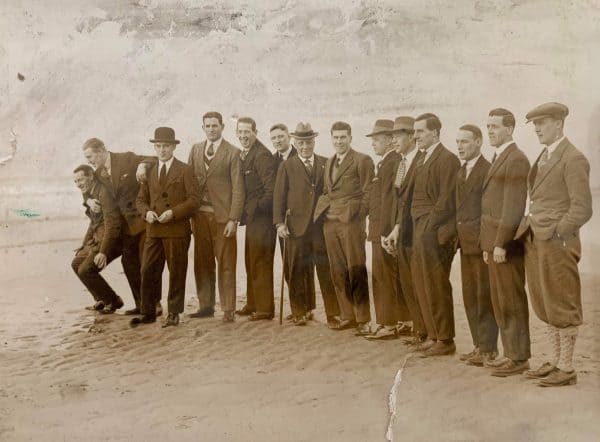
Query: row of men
x=422, y=206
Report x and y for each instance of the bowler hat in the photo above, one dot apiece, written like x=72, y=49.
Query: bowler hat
x=404, y=123
x=382, y=127
x=164, y=135
x=557, y=111
x=304, y=131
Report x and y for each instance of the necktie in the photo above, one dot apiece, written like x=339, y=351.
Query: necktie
x=543, y=159
x=401, y=172
x=494, y=158
x=421, y=157
x=163, y=175
x=104, y=173
x=336, y=167
x=243, y=154
x=309, y=167
x=210, y=151
x=462, y=173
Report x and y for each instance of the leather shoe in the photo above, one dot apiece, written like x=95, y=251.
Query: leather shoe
x=415, y=341
x=133, y=311
x=99, y=305
x=440, y=348
x=558, y=378
x=344, y=324
x=159, y=310
x=404, y=330
x=203, y=313
x=383, y=334
x=309, y=315
x=332, y=321
x=425, y=345
x=494, y=363
x=172, y=320
x=467, y=356
x=300, y=320
x=362, y=329
x=290, y=318
x=260, y=316
x=228, y=317
x=146, y=319
x=510, y=368
x=112, y=307
x=481, y=357
x=541, y=372
x=244, y=311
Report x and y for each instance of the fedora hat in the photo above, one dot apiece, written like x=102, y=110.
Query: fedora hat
x=382, y=127
x=304, y=131
x=164, y=135
x=404, y=123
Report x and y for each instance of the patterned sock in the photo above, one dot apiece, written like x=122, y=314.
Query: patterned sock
x=568, y=336
x=554, y=336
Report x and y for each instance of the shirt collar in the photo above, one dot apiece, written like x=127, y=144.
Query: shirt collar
x=285, y=155
x=311, y=159
x=472, y=161
x=341, y=157
x=502, y=148
x=411, y=156
x=427, y=152
x=387, y=153
x=216, y=144
x=167, y=163
x=551, y=148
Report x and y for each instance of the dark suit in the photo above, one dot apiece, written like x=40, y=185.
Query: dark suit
x=345, y=204
x=389, y=302
x=278, y=160
x=297, y=191
x=260, y=171
x=221, y=185
x=560, y=203
x=502, y=207
x=167, y=241
x=474, y=271
x=124, y=188
x=102, y=236
x=433, y=211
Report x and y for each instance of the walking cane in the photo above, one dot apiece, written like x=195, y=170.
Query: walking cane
x=283, y=272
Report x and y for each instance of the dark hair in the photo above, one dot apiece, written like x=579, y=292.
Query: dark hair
x=508, y=119
x=95, y=144
x=85, y=168
x=341, y=125
x=474, y=130
x=213, y=114
x=432, y=122
x=280, y=126
x=247, y=120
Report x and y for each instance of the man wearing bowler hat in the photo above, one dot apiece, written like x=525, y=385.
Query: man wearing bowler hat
x=298, y=185
x=166, y=201
x=560, y=203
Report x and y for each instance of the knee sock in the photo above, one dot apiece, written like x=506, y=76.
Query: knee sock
x=568, y=336
x=554, y=337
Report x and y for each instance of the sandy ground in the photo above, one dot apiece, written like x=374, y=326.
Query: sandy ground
x=69, y=374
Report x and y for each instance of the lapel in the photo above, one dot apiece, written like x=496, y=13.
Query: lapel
x=249, y=160
x=346, y=163
x=471, y=180
x=298, y=164
x=432, y=158
x=115, y=172
x=217, y=159
x=552, y=161
x=320, y=163
x=410, y=172
x=499, y=160
x=390, y=157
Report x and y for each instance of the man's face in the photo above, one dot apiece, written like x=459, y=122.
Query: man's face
x=306, y=148
x=403, y=141
x=212, y=128
x=381, y=143
x=164, y=151
x=96, y=158
x=468, y=146
x=83, y=181
x=280, y=139
x=341, y=140
x=497, y=131
x=424, y=137
x=246, y=135
x=548, y=130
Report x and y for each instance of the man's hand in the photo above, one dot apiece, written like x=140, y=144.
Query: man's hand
x=499, y=255
x=485, y=256
x=282, y=231
x=94, y=205
x=390, y=243
x=165, y=217
x=140, y=173
x=151, y=217
x=100, y=260
x=230, y=229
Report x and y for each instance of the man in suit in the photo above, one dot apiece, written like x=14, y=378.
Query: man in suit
x=560, y=202
x=345, y=204
x=101, y=242
x=167, y=201
x=218, y=169
x=502, y=206
x=390, y=308
x=299, y=183
x=433, y=210
x=120, y=173
x=474, y=272
x=259, y=169
x=399, y=242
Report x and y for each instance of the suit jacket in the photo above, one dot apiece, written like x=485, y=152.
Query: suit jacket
x=180, y=194
x=560, y=196
x=468, y=207
x=347, y=198
x=279, y=160
x=400, y=209
x=297, y=191
x=503, y=199
x=438, y=180
x=105, y=226
x=260, y=171
x=382, y=196
x=224, y=180
x=124, y=187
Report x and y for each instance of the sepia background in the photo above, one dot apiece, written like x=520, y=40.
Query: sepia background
x=116, y=69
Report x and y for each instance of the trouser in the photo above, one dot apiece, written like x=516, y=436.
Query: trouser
x=389, y=303
x=131, y=260
x=259, y=252
x=209, y=246
x=406, y=290
x=85, y=269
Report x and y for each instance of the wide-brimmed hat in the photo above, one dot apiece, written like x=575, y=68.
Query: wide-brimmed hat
x=557, y=111
x=304, y=131
x=382, y=127
x=404, y=123
x=164, y=135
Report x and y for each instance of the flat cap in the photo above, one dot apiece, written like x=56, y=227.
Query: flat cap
x=557, y=111
x=382, y=127
x=404, y=123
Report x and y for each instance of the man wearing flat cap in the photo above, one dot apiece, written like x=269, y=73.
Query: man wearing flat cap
x=560, y=203
x=166, y=201
x=345, y=204
x=299, y=183
x=390, y=309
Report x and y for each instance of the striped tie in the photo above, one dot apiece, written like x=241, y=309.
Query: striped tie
x=401, y=173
